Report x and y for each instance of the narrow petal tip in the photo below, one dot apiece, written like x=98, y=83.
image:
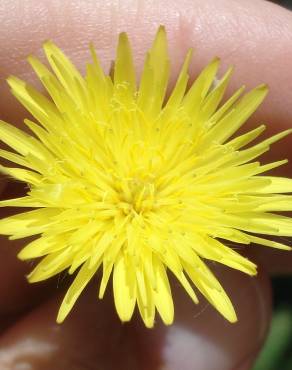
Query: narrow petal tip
x=264, y=88
x=60, y=317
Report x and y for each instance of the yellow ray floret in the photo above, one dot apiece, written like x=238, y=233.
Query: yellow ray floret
x=125, y=181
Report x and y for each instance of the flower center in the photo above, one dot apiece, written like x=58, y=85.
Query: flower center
x=136, y=195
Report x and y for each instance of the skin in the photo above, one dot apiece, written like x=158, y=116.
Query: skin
x=253, y=35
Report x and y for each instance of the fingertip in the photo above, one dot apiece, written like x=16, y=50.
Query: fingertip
x=198, y=334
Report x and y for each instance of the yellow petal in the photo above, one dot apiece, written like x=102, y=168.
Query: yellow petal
x=217, y=297
x=124, y=68
x=162, y=294
x=124, y=286
x=237, y=116
x=51, y=265
x=154, y=77
x=200, y=88
x=82, y=279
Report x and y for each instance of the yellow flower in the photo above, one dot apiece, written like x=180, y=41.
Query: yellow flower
x=137, y=186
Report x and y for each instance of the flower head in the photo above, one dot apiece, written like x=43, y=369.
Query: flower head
x=125, y=182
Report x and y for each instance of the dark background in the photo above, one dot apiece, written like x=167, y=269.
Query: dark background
x=285, y=3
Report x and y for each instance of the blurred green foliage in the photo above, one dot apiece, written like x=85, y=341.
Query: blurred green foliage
x=277, y=351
